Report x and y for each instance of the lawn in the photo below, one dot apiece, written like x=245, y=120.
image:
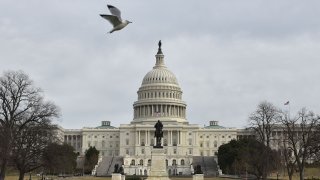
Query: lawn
x=309, y=173
x=11, y=177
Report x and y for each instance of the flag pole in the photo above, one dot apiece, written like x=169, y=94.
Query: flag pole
x=288, y=103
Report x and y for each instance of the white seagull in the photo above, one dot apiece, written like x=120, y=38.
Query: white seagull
x=115, y=19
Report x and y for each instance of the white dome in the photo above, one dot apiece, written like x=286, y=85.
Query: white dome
x=159, y=75
x=159, y=97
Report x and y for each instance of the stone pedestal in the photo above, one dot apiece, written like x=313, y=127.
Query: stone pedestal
x=116, y=176
x=197, y=177
x=158, y=169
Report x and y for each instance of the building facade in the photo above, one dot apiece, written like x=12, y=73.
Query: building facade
x=159, y=98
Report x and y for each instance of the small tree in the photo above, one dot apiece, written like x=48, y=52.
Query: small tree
x=91, y=159
x=246, y=155
x=60, y=158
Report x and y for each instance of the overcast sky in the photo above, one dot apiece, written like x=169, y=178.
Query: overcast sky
x=228, y=55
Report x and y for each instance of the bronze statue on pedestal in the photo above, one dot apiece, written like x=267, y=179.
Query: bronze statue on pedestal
x=158, y=134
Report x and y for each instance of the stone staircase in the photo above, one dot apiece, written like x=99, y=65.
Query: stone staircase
x=106, y=166
x=208, y=164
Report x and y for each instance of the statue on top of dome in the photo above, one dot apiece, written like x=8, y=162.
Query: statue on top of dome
x=159, y=49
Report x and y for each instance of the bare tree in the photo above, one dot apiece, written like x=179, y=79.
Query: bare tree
x=290, y=162
x=302, y=137
x=20, y=105
x=263, y=122
x=30, y=145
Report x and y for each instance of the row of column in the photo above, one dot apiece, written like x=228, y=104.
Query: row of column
x=73, y=140
x=148, y=134
x=144, y=95
x=159, y=110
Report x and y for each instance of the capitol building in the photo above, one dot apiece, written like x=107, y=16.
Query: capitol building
x=158, y=98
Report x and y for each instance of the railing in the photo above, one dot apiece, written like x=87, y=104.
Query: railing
x=204, y=164
x=110, y=165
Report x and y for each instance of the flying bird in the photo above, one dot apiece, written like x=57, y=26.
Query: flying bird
x=115, y=19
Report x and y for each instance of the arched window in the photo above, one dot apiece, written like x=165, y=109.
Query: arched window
x=141, y=162
x=133, y=162
x=149, y=162
x=182, y=162
x=174, y=162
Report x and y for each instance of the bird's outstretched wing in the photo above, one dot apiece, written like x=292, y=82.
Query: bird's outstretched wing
x=115, y=11
x=114, y=20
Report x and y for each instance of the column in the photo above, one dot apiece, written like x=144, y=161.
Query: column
x=171, y=137
x=175, y=111
x=146, y=137
x=137, y=138
x=147, y=140
x=162, y=142
x=151, y=110
x=76, y=143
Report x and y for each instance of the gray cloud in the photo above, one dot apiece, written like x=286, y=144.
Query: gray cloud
x=228, y=55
